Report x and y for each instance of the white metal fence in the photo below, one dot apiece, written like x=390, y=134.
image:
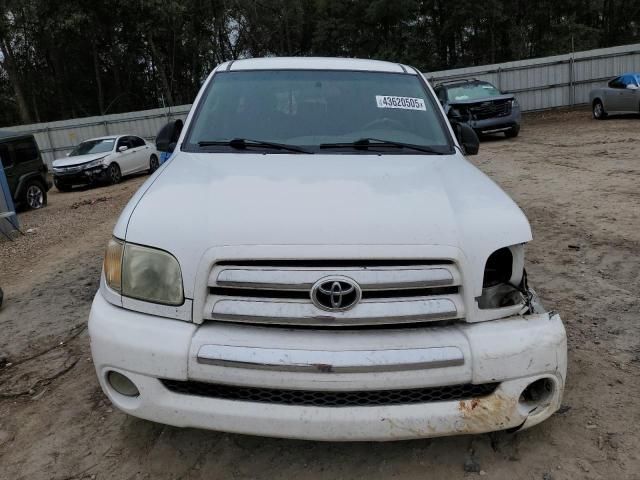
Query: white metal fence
x=558, y=81
x=540, y=83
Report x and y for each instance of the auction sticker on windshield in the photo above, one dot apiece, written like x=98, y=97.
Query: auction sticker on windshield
x=406, y=103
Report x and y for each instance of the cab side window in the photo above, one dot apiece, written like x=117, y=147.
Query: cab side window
x=123, y=142
x=24, y=151
x=5, y=156
x=136, y=142
x=616, y=83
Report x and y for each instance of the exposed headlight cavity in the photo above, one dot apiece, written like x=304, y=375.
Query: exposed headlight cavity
x=503, y=275
x=498, y=268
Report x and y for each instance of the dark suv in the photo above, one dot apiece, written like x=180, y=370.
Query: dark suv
x=25, y=171
x=485, y=108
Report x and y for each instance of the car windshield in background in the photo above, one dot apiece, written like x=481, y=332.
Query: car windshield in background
x=307, y=109
x=471, y=91
x=93, y=146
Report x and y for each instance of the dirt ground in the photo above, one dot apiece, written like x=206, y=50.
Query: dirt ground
x=578, y=181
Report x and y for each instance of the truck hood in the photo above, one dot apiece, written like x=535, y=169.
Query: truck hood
x=78, y=159
x=481, y=100
x=197, y=201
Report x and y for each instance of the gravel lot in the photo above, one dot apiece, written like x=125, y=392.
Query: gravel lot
x=577, y=180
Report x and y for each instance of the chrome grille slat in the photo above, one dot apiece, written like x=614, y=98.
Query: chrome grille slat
x=373, y=312
x=381, y=278
x=280, y=294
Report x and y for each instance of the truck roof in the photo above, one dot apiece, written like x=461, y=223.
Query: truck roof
x=315, y=63
x=9, y=135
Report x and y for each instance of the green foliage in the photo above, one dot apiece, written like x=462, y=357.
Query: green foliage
x=71, y=58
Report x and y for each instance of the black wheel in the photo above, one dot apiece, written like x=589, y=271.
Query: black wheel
x=34, y=196
x=153, y=163
x=113, y=174
x=61, y=186
x=598, y=110
x=512, y=132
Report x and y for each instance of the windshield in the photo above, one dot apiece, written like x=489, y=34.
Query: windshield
x=472, y=91
x=311, y=108
x=93, y=146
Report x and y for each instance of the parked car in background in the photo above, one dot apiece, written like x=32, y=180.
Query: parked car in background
x=25, y=171
x=621, y=95
x=480, y=104
x=104, y=159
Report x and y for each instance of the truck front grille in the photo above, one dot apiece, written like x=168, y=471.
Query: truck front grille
x=490, y=109
x=279, y=293
x=366, y=398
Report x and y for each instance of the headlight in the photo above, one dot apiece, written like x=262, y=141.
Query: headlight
x=143, y=273
x=93, y=164
x=514, y=103
x=503, y=274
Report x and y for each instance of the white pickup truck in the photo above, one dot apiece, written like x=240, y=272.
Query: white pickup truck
x=318, y=260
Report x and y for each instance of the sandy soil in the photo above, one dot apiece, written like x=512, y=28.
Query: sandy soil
x=578, y=181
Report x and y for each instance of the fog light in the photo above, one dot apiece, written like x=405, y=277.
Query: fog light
x=122, y=384
x=537, y=392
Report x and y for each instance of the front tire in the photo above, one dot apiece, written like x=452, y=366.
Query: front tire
x=598, y=111
x=512, y=132
x=153, y=163
x=114, y=175
x=35, y=195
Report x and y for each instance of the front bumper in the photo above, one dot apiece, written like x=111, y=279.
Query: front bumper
x=513, y=352
x=497, y=124
x=82, y=177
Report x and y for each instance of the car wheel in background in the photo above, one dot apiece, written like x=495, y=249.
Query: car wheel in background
x=154, y=163
x=61, y=186
x=512, y=132
x=35, y=196
x=598, y=110
x=113, y=174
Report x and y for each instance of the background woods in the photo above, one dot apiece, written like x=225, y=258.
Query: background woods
x=74, y=58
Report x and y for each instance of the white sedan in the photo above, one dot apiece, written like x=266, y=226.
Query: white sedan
x=104, y=159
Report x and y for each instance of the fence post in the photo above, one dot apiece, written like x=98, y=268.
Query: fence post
x=106, y=127
x=500, y=78
x=52, y=147
x=572, y=83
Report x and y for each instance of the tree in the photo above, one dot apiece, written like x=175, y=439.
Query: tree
x=73, y=58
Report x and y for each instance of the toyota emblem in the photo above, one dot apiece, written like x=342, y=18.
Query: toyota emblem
x=335, y=294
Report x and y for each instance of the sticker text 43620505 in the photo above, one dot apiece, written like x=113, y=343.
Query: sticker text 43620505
x=405, y=103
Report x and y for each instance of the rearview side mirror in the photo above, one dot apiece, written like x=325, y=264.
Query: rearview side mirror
x=123, y=148
x=168, y=136
x=467, y=137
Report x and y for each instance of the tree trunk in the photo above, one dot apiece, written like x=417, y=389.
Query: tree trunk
x=96, y=70
x=162, y=72
x=16, y=81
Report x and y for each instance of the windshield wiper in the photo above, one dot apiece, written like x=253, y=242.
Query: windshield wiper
x=365, y=143
x=244, y=143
